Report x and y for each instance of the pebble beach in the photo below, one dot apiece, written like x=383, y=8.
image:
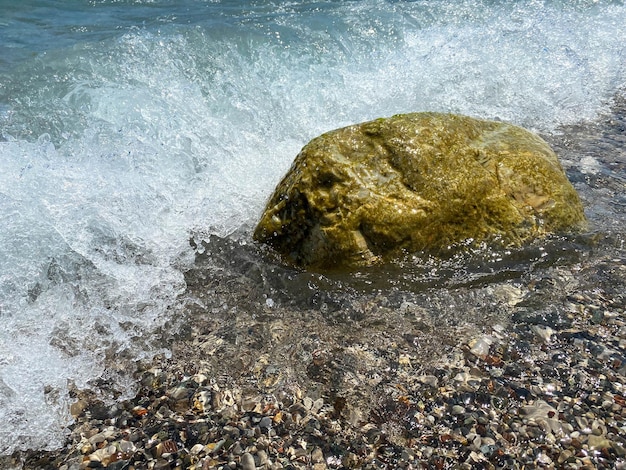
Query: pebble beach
x=507, y=360
x=522, y=396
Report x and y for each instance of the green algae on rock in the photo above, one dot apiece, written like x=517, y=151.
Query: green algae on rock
x=421, y=182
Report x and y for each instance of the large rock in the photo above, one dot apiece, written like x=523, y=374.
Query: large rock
x=416, y=182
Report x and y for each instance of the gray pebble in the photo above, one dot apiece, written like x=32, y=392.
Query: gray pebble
x=247, y=462
x=266, y=422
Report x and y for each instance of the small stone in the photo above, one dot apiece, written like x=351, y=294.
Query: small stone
x=404, y=360
x=430, y=380
x=77, y=408
x=540, y=410
x=86, y=448
x=266, y=422
x=544, y=459
x=139, y=411
x=262, y=458
x=165, y=448
x=598, y=442
x=458, y=410
x=251, y=404
x=407, y=455
x=97, y=438
x=196, y=449
x=480, y=347
x=200, y=379
x=565, y=456
x=308, y=403
x=178, y=393
x=126, y=446
x=247, y=462
x=619, y=449
x=317, y=405
x=202, y=400
x=164, y=412
x=543, y=332
x=476, y=457
x=317, y=455
x=236, y=449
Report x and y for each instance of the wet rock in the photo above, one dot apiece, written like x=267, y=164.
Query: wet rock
x=416, y=182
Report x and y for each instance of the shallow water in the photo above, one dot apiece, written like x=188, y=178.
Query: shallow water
x=129, y=128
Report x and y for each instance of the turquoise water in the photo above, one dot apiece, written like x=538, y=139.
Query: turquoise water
x=127, y=128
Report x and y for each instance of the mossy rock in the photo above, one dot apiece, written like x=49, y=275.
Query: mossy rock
x=422, y=182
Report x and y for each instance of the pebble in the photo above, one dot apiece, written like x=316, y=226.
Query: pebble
x=317, y=456
x=247, y=462
x=480, y=346
x=266, y=422
x=458, y=410
x=598, y=442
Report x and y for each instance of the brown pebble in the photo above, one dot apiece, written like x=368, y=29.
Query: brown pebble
x=317, y=455
x=77, y=408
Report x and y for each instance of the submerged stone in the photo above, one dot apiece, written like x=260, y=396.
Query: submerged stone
x=413, y=183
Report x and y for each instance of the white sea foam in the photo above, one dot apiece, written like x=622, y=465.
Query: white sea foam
x=114, y=153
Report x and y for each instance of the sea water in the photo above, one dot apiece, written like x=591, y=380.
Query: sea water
x=128, y=128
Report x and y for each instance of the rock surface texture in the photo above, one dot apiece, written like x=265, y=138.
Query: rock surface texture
x=416, y=182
